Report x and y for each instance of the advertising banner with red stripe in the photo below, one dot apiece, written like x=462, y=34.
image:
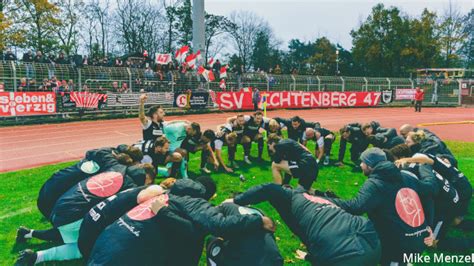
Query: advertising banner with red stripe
x=297, y=99
x=27, y=103
x=87, y=99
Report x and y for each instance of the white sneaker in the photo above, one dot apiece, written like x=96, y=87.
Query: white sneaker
x=326, y=160
x=205, y=170
x=246, y=160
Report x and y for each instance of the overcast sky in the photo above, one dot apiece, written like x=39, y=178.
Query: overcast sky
x=310, y=19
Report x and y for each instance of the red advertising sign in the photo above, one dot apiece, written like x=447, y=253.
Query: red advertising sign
x=27, y=103
x=298, y=99
x=405, y=94
x=87, y=99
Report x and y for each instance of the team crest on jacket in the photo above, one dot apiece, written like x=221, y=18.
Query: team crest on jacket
x=143, y=211
x=105, y=184
x=409, y=207
x=317, y=199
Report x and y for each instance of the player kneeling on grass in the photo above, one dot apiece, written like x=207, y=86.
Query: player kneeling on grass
x=293, y=159
x=353, y=134
x=252, y=248
x=253, y=132
x=397, y=203
x=62, y=180
x=324, y=140
x=331, y=235
x=384, y=138
x=138, y=238
x=201, y=142
x=237, y=124
x=70, y=208
x=159, y=155
x=450, y=203
x=229, y=139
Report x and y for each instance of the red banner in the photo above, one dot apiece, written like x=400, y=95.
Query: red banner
x=87, y=99
x=297, y=99
x=27, y=103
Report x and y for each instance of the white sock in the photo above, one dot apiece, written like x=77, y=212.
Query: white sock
x=39, y=257
x=246, y=157
x=30, y=234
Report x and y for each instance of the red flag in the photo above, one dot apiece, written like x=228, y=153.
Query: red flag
x=201, y=70
x=210, y=62
x=145, y=53
x=223, y=72
x=198, y=56
x=222, y=84
x=181, y=53
x=191, y=60
x=208, y=75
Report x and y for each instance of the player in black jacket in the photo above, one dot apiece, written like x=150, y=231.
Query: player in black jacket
x=433, y=141
x=158, y=154
x=398, y=204
x=293, y=159
x=225, y=137
x=384, y=138
x=253, y=129
x=152, y=122
x=70, y=208
x=331, y=235
x=137, y=238
x=201, y=142
x=256, y=248
x=324, y=139
x=353, y=134
x=296, y=127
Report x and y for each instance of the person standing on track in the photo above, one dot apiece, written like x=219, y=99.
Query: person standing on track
x=419, y=96
x=152, y=122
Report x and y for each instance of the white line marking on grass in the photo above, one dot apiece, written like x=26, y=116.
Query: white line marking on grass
x=21, y=211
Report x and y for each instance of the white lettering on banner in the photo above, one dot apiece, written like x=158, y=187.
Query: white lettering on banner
x=306, y=99
x=27, y=103
x=132, y=99
x=240, y=101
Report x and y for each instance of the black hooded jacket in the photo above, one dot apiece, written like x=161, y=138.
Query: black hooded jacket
x=356, y=138
x=329, y=233
x=399, y=205
x=79, y=199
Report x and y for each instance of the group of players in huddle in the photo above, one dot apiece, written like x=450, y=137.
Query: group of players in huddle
x=108, y=210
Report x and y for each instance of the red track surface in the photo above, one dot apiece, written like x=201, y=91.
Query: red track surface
x=31, y=146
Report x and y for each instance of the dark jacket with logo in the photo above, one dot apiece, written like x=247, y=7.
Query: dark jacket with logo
x=356, y=138
x=295, y=134
x=399, y=205
x=329, y=233
x=79, y=199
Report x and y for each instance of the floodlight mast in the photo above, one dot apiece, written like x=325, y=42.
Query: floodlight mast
x=198, y=27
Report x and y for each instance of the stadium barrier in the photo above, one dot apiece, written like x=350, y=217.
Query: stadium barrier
x=107, y=80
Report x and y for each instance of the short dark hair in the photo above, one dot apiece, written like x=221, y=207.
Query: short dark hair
x=258, y=113
x=210, y=134
x=296, y=119
x=124, y=159
x=240, y=115
x=366, y=126
x=343, y=129
x=209, y=185
x=149, y=169
x=135, y=153
x=161, y=141
x=273, y=138
x=152, y=110
x=401, y=151
x=196, y=127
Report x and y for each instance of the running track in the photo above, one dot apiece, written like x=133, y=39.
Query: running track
x=31, y=146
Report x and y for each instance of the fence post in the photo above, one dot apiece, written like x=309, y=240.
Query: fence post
x=130, y=79
x=15, y=85
x=460, y=91
x=366, y=84
x=412, y=83
x=172, y=81
x=319, y=83
x=294, y=82
x=389, y=83
x=79, y=77
x=343, y=84
x=268, y=82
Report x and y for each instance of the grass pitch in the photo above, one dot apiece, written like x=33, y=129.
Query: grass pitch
x=19, y=190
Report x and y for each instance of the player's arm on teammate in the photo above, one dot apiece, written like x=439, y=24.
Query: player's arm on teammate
x=417, y=158
x=367, y=199
x=141, y=110
x=319, y=149
x=213, y=156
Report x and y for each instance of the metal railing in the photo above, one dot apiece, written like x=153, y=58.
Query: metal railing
x=102, y=79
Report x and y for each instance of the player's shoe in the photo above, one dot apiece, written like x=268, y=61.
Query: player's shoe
x=20, y=234
x=326, y=160
x=247, y=160
x=205, y=170
x=26, y=257
x=234, y=164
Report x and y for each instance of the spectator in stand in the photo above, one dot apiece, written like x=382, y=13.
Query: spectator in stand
x=63, y=87
x=277, y=70
x=128, y=63
x=125, y=88
x=28, y=59
x=256, y=99
x=31, y=84
x=419, y=96
x=118, y=62
x=115, y=87
x=51, y=66
x=85, y=88
x=2, y=87
x=70, y=84
x=23, y=85
x=85, y=61
x=61, y=59
x=9, y=55
x=149, y=74
x=216, y=68
x=39, y=58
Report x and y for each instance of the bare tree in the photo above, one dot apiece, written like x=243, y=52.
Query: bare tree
x=68, y=31
x=451, y=34
x=216, y=26
x=98, y=18
x=248, y=25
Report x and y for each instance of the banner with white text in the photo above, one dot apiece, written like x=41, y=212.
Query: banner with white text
x=297, y=99
x=27, y=103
